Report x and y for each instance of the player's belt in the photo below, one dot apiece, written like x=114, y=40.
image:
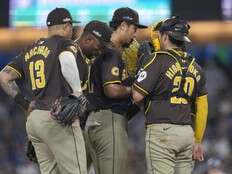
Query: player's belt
x=42, y=106
x=121, y=112
x=116, y=110
x=167, y=122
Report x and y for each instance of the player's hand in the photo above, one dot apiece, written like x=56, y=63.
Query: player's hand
x=67, y=109
x=31, y=107
x=198, y=152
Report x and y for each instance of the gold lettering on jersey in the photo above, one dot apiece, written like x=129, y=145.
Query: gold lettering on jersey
x=172, y=70
x=41, y=50
x=84, y=87
x=73, y=48
x=195, y=73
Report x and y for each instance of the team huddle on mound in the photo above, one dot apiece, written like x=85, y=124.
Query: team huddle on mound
x=83, y=88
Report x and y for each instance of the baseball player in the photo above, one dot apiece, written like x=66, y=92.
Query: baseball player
x=49, y=67
x=88, y=49
x=169, y=84
x=106, y=127
x=84, y=62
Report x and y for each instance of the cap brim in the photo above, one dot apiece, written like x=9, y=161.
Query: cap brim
x=186, y=39
x=179, y=37
x=141, y=26
x=182, y=38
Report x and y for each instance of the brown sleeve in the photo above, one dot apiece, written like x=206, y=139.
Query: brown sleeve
x=148, y=75
x=112, y=68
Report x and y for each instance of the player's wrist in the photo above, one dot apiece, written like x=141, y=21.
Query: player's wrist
x=129, y=91
x=128, y=88
x=22, y=101
x=77, y=93
x=198, y=140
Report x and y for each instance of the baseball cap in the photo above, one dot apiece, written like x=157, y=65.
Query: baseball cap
x=100, y=30
x=126, y=14
x=176, y=28
x=59, y=16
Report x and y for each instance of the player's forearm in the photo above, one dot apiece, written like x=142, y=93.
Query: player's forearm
x=13, y=91
x=7, y=77
x=117, y=91
x=70, y=71
x=137, y=97
x=10, y=88
x=201, y=117
x=7, y=82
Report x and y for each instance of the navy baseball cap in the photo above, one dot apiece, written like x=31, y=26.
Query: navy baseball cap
x=176, y=28
x=100, y=30
x=59, y=16
x=128, y=15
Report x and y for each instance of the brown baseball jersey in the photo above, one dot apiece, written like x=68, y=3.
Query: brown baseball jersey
x=170, y=82
x=84, y=66
x=39, y=67
x=107, y=69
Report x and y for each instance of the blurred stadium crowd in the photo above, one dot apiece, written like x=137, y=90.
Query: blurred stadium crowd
x=216, y=60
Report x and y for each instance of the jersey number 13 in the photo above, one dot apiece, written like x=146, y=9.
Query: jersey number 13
x=37, y=76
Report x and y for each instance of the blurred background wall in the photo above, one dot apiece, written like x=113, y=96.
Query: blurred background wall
x=23, y=21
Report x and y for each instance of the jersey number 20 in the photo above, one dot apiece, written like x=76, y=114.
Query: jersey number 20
x=36, y=69
x=188, y=89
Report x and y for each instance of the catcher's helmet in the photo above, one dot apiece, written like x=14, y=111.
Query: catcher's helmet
x=176, y=28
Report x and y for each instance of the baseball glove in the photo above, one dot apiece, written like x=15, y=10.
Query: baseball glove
x=154, y=35
x=67, y=109
x=130, y=58
x=30, y=152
